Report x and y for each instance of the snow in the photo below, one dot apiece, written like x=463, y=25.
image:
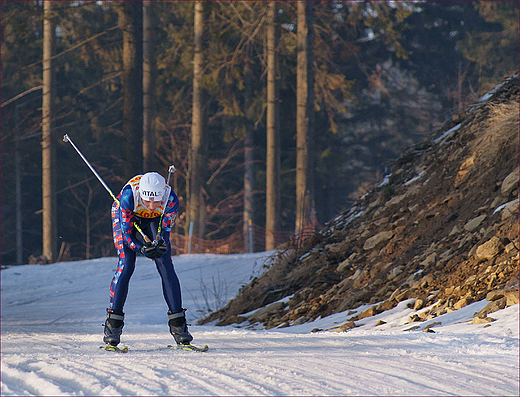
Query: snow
x=386, y=181
x=415, y=178
x=448, y=133
x=52, y=320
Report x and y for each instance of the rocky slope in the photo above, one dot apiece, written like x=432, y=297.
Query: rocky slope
x=441, y=228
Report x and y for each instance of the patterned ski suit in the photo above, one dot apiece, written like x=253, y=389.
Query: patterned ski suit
x=128, y=242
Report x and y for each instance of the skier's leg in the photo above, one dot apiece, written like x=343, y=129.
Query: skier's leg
x=121, y=280
x=119, y=285
x=170, y=281
x=125, y=266
x=172, y=295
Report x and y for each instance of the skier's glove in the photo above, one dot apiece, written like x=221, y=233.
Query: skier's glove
x=160, y=247
x=148, y=250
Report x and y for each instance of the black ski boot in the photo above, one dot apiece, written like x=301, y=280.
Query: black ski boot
x=113, y=327
x=179, y=328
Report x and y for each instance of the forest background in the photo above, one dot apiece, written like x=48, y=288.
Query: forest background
x=384, y=74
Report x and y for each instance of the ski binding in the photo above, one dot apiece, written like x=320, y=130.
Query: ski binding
x=190, y=348
x=111, y=348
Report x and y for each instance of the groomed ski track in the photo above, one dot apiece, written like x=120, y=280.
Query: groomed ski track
x=52, y=328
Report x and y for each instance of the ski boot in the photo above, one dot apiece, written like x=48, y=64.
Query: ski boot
x=113, y=327
x=179, y=328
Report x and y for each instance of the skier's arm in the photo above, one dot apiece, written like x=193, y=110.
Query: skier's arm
x=126, y=200
x=170, y=212
x=168, y=218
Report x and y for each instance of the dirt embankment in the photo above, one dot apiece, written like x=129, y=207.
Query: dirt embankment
x=441, y=228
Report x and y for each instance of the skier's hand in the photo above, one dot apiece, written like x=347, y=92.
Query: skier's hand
x=160, y=248
x=148, y=250
x=158, y=241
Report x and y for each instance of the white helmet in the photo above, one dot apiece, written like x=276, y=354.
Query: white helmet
x=151, y=186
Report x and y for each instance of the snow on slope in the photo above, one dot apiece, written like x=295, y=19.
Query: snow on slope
x=52, y=316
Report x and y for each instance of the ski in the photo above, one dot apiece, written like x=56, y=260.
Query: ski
x=190, y=348
x=110, y=348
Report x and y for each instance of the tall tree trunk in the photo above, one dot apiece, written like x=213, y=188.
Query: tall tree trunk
x=150, y=24
x=304, y=115
x=48, y=136
x=18, y=183
x=272, y=190
x=195, y=198
x=131, y=22
x=249, y=176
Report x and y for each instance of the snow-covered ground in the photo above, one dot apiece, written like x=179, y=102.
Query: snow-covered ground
x=52, y=316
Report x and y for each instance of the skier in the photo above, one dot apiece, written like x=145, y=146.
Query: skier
x=148, y=205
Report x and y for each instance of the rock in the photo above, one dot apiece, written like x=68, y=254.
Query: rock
x=386, y=305
x=394, y=294
x=413, y=328
x=419, y=304
x=380, y=322
x=510, y=209
x=510, y=183
x=510, y=247
x=512, y=297
x=356, y=275
x=395, y=200
x=482, y=320
x=513, y=281
x=470, y=279
x=455, y=230
x=231, y=320
x=473, y=250
x=343, y=265
x=402, y=296
x=429, y=326
x=426, y=281
x=338, y=247
x=414, y=318
x=265, y=312
x=345, y=327
x=496, y=202
x=371, y=311
x=489, y=249
x=495, y=295
x=474, y=223
x=492, y=307
x=430, y=260
x=462, y=302
x=395, y=272
x=346, y=263
x=377, y=239
x=299, y=321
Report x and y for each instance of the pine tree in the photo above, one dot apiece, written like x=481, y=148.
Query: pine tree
x=50, y=233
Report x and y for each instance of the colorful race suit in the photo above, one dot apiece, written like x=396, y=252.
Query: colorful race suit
x=130, y=210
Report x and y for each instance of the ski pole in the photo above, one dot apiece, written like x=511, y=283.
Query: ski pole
x=66, y=138
x=171, y=170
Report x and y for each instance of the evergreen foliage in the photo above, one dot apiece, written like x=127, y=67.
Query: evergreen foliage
x=385, y=73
